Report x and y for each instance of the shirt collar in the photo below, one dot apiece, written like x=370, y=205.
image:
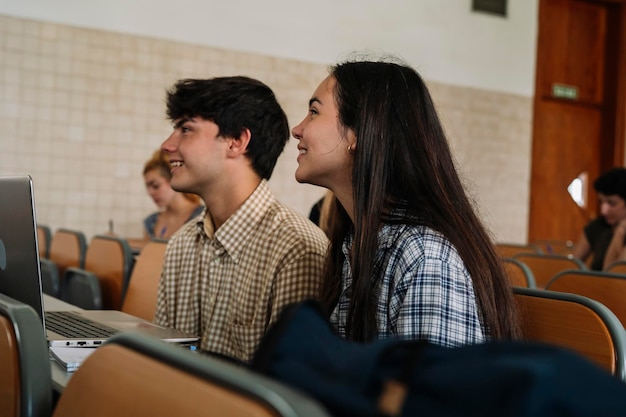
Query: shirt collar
x=234, y=233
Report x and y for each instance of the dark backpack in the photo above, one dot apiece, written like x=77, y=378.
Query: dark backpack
x=413, y=378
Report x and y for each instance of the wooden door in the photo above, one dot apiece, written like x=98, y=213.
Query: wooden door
x=578, y=125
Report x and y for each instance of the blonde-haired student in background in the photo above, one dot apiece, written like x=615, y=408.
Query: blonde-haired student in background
x=175, y=209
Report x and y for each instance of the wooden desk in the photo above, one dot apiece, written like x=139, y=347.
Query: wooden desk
x=60, y=376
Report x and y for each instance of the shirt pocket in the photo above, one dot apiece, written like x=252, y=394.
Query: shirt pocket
x=245, y=339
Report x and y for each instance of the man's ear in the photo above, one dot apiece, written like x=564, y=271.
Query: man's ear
x=238, y=146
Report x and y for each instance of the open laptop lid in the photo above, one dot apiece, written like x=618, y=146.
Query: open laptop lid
x=19, y=251
x=20, y=273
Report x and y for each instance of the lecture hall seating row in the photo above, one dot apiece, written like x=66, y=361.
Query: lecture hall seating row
x=568, y=320
x=563, y=302
x=103, y=274
x=149, y=378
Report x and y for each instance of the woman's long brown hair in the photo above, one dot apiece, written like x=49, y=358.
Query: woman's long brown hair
x=403, y=163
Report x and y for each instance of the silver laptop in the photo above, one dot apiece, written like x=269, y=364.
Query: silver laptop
x=20, y=278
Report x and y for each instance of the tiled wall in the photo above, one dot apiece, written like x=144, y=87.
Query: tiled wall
x=81, y=110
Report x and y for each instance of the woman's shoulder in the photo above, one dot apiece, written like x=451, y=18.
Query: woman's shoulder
x=149, y=221
x=408, y=234
x=417, y=241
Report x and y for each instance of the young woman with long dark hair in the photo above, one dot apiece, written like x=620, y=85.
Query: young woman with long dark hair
x=409, y=257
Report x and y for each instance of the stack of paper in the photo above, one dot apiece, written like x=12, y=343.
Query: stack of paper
x=70, y=358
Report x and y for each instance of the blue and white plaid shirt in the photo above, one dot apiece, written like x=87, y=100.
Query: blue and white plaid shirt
x=425, y=290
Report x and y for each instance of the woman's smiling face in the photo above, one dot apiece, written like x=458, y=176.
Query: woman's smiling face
x=323, y=158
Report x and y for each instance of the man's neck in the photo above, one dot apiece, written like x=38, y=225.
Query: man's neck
x=224, y=203
x=180, y=205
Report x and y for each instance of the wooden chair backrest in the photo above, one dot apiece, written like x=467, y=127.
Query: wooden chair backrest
x=111, y=260
x=607, y=288
x=159, y=381
x=50, y=279
x=10, y=375
x=44, y=236
x=618, y=267
x=98, y=389
x=519, y=274
x=575, y=322
x=509, y=250
x=67, y=248
x=82, y=289
x=544, y=266
x=25, y=376
x=141, y=294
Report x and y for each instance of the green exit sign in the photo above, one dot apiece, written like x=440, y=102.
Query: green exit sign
x=569, y=92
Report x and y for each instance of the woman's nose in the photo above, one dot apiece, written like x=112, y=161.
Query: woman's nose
x=297, y=131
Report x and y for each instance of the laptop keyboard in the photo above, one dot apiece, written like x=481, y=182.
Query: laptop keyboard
x=70, y=324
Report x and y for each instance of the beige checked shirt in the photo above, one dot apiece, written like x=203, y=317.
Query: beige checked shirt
x=228, y=288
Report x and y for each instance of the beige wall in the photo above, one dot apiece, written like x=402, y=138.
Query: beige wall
x=81, y=110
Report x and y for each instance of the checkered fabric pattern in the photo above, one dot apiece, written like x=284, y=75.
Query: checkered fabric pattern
x=425, y=289
x=230, y=286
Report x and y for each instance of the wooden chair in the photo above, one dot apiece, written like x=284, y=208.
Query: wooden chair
x=141, y=294
x=605, y=287
x=111, y=259
x=50, y=280
x=136, y=244
x=519, y=274
x=134, y=375
x=67, y=249
x=544, y=266
x=576, y=322
x=509, y=250
x=82, y=289
x=25, y=377
x=44, y=235
x=618, y=267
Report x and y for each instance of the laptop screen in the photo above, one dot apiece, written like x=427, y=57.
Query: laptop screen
x=19, y=253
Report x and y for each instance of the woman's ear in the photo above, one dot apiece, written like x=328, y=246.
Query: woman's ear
x=351, y=142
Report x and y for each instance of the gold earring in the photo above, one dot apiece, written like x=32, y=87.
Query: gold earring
x=350, y=150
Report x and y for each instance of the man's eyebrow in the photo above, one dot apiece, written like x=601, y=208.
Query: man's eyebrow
x=182, y=121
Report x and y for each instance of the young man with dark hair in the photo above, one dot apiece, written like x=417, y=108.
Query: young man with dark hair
x=604, y=236
x=228, y=273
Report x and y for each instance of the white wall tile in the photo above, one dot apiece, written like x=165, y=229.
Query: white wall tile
x=81, y=110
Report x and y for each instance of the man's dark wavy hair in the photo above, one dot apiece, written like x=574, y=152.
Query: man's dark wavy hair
x=234, y=104
x=612, y=182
